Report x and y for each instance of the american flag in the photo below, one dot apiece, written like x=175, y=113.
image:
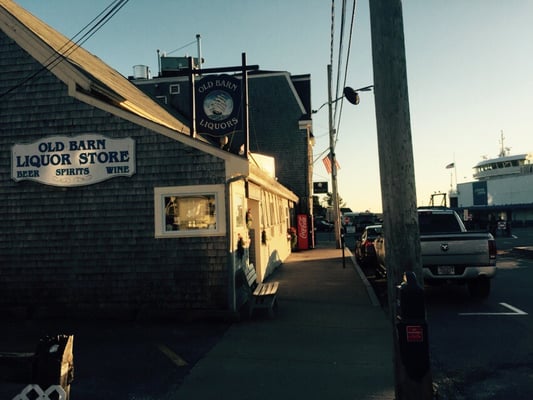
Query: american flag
x=327, y=163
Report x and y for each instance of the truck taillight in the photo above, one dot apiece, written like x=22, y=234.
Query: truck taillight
x=492, y=249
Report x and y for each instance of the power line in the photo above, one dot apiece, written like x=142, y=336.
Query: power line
x=71, y=46
x=332, y=32
x=340, y=77
x=352, y=23
x=320, y=155
x=182, y=47
x=339, y=56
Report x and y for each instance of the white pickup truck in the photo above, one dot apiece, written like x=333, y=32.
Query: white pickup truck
x=450, y=254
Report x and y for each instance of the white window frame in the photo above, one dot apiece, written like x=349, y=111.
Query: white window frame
x=185, y=191
x=174, y=88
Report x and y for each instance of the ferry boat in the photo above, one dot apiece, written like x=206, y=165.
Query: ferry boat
x=504, y=165
x=502, y=190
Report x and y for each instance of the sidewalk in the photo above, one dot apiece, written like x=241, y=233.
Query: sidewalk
x=329, y=339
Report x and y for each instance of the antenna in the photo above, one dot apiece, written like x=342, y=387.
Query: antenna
x=502, y=149
x=158, y=62
x=198, y=43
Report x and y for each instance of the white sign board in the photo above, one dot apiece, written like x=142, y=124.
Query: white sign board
x=73, y=161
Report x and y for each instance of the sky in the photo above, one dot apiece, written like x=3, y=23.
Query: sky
x=469, y=67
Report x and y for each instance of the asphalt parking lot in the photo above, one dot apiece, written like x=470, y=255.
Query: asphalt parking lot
x=118, y=360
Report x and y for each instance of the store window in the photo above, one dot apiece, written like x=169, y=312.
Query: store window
x=189, y=211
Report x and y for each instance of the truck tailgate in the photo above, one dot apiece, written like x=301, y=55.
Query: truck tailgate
x=459, y=249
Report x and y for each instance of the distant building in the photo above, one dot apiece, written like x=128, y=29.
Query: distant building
x=279, y=119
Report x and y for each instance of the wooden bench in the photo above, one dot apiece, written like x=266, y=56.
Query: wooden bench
x=261, y=295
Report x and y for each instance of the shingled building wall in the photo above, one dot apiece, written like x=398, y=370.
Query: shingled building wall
x=91, y=249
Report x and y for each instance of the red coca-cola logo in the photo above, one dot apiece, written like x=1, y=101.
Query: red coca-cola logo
x=302, y=227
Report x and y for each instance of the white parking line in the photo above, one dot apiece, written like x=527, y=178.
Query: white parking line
x=515, y=311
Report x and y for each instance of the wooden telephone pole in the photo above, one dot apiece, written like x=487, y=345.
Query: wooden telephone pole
x=333, y=159
x=398, y=191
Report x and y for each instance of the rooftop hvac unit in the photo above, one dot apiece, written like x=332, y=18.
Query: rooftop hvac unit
x=171, y=65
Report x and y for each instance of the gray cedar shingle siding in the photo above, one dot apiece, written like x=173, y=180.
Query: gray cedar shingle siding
x=92, y=248
x=274, y=130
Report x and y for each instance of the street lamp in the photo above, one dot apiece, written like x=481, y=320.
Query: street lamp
x=352, y=95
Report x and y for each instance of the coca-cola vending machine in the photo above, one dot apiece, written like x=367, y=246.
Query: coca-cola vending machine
x=303, y=232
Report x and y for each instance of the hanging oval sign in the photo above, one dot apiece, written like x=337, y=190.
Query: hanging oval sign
x=218, y=105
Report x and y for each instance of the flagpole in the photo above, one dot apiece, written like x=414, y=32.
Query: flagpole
x=451, y=180
x=455, y=172
x=335, y=195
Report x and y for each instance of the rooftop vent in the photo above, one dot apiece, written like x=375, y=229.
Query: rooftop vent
x=141, y=72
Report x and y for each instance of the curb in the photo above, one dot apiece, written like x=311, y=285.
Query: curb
x=369, y=289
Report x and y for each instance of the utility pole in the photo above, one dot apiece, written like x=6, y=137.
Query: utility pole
x=335, y=193
x=398, y=191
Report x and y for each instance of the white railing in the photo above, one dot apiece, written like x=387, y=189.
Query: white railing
x=34, y=392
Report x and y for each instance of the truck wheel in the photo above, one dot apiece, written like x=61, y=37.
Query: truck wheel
x=480, y=288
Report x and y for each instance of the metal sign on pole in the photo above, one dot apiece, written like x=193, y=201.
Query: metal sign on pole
x=245, y=111
x=219, y=103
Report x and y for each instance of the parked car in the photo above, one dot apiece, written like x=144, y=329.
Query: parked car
x=354, y=223
x=321, y=225
x=365, y=253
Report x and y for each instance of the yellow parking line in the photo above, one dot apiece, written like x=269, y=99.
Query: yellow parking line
x=175, y=358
